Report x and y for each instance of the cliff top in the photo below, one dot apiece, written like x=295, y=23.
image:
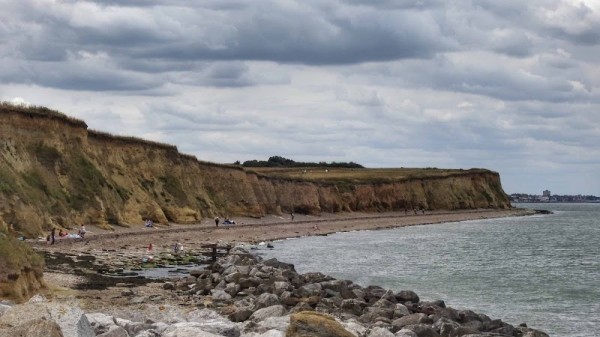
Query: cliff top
x=361, y=175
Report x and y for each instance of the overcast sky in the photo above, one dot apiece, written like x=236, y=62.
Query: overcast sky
x=512, y=86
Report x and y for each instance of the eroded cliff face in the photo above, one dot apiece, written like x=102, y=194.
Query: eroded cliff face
x=56, y=172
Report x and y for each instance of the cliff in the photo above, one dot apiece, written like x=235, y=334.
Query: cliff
x=21, y=269
x=56, y=172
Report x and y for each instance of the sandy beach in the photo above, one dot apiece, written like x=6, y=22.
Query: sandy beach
x=272, y=227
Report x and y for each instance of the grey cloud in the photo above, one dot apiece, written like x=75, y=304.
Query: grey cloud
x=513, y=44
x=76, y=76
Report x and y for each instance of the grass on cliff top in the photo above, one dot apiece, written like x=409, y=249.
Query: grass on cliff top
x=360, y=175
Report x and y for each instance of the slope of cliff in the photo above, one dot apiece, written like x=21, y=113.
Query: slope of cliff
x=56, y=172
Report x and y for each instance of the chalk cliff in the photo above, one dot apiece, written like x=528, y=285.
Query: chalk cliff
x=56, y=172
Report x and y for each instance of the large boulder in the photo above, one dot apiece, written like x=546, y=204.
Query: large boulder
x=187, y=329
x=70, y=318
x=407, y=296
x=38, y=327
x=272, y=311
x=314, y=324
x=411, y=319
x=266, y=300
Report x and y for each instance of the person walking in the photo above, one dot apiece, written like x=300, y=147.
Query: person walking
x=217, y=221
x=53, y=235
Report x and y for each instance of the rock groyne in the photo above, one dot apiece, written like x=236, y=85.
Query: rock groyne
x=242, y=295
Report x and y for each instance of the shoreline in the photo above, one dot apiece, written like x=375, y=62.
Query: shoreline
x=269, y=228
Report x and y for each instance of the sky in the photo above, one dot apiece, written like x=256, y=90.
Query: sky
x=511, y=86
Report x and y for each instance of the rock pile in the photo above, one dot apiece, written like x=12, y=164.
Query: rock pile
x=243, y=295
x=243, y=287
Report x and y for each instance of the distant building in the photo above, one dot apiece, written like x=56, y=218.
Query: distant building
x=546, y=193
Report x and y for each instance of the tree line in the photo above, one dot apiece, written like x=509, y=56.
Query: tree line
x=278, y=161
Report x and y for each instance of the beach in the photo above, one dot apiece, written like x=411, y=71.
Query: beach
x=256, y=230
x=122, y=245
x=241, y=294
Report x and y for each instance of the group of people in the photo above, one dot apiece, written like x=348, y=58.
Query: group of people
x=227, y=221
x=148, y=223
x=64, y=234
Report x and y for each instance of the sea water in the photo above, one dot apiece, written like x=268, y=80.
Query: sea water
x=543, y=270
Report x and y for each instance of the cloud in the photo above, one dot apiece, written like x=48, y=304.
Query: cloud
x=508, y=85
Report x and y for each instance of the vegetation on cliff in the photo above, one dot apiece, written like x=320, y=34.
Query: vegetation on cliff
x=278, y=161
x=21, y=269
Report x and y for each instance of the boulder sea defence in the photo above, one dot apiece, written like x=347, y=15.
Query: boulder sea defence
x=242, y=295
x=55, y=172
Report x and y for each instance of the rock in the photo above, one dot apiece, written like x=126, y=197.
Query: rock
x=385, y=304
x=411, y=319
x=210, y=321
x=314, y=324
x=279, y=287
x=312, y=289
x=187, y=329
x=374, y=293
x=38, y=327
x=240, y=314
x=422, y=330
x=407, y=296
x=277, y=264
x=380, y=332
x=400, y=310
x=527, y=332
x=315, y=278
x=100, y=322
x=448, y=328
x=168, y=286
x=301, y=306
x=70, y=318
x=405, y=333
x=115, y=331
x=269, y=333
x=354, y=306
x=272, y=311
x=270, y=323
x=354, y=327
x=266, y=300
x=220, y=295
x=288, y=299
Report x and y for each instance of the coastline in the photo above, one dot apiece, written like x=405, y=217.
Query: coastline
x=243, y=293
x=269, y=228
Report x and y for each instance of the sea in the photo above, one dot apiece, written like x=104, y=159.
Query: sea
x=542, y=270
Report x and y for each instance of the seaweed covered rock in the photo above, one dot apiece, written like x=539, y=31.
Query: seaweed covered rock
x=314, y=324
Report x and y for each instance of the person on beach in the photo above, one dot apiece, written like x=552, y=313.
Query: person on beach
x=82, y=231
x=53, y=235
x=292, y=214
x=177, y=248
x=216, y=221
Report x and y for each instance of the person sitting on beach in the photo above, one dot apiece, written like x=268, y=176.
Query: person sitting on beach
x=149, y=223
x=62, y=233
